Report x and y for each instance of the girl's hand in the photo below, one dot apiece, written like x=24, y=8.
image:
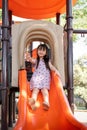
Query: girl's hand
x=54, y=69
x=57, y=72
x=27, y=56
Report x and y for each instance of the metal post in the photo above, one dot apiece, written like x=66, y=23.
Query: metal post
x=58, y=18
x=80, y=31
x=70, y=53
x=14, y=107
x=10, y=117
x=10, y=48
x=5, y=25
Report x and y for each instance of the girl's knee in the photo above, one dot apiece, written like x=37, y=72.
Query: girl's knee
x=44, y=91
x=35, y=90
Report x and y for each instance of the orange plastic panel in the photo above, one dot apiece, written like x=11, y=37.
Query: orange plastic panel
x=59, y=115
x=37, y=9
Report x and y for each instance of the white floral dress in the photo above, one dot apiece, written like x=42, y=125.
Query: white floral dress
x=41, y=77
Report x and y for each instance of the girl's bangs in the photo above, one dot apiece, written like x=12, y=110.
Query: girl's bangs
x=41, y=47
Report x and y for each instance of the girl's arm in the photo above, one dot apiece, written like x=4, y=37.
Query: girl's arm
x=53, y=69
x=29, y=58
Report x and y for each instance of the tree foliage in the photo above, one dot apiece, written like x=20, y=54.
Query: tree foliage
x=80, y=77
x=80, y=14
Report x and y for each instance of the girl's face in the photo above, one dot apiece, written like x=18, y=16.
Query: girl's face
x=41, y=52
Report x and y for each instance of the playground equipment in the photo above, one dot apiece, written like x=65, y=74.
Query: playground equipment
x=25, y=33
x=30, y=10
x=59, y=115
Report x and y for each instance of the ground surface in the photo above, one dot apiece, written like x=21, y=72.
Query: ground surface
x=81, y=116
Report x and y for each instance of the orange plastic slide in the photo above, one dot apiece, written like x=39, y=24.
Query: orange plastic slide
x=59, y=115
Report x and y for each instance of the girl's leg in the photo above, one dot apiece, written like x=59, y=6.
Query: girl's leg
x=35, y=93
x=45, y=94
x=33, y=98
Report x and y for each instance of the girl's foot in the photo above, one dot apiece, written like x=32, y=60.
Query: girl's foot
x=31, y=101
x=45, y=106
x=32, y=104
x=33, y=107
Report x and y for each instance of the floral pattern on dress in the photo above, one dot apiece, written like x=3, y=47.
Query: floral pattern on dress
x=41, y=77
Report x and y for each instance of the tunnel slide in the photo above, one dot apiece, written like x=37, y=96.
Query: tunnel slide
x=58, y=117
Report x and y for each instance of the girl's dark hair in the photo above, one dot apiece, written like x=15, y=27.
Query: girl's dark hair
x=46, y=57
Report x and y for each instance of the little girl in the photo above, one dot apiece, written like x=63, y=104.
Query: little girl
x=41, y=78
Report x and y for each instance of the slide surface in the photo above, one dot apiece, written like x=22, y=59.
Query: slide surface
x=59, y=115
